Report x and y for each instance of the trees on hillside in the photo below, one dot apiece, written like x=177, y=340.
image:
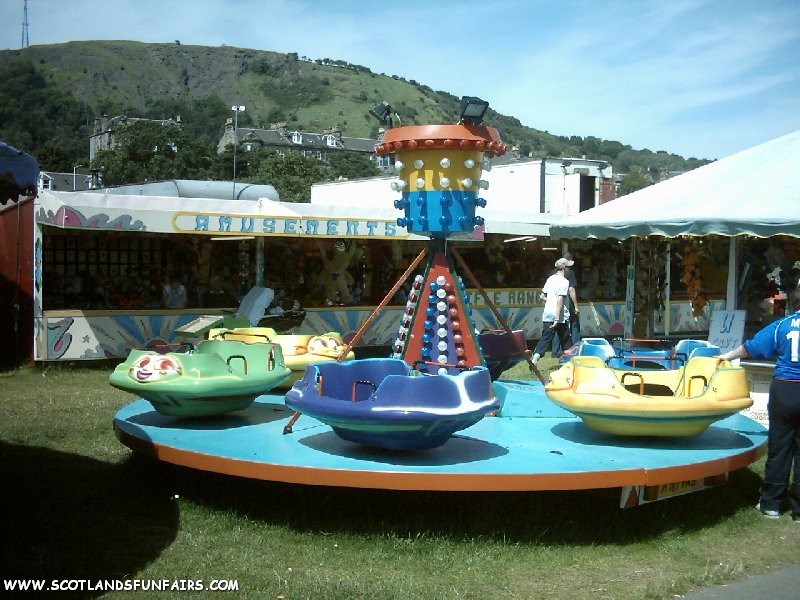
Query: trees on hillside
x=151, y=151
x=349, y=165
x=47, y=123
x=291, y=175
x=39, y=112
x=635, y=179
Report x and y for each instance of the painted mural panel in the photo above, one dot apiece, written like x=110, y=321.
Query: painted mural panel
x=76, y=335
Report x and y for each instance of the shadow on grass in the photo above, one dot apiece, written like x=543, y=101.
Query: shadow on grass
x=551, y=517
x=68, y=516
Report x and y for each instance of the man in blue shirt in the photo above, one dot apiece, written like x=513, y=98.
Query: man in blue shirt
x=780, y=339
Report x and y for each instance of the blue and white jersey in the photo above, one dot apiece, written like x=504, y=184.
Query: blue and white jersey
x=780, y=339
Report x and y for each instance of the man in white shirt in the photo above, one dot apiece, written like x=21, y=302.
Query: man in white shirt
x=555, y=316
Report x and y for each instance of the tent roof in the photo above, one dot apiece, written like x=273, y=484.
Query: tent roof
x=19, y=173
x=190, y=188
x=754, y=192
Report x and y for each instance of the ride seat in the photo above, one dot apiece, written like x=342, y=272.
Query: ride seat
x=697, y=374
x=596, y=347
x=253, y=306
x=686, y=349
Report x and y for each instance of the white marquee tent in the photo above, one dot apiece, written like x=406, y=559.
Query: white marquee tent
x=753, y=192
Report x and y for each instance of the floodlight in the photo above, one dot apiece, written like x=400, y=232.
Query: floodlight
x=383, y=112
x=472, y=110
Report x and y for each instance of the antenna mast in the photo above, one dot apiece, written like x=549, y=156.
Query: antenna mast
x=25, y=40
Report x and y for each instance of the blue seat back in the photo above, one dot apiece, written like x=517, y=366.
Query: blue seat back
x=596, y=347
x=689, y=348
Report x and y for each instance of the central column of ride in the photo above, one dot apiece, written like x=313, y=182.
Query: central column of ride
x=439, y=169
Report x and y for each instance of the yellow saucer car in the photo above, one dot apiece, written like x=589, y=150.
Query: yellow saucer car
x=669, y=402
x=299, y=351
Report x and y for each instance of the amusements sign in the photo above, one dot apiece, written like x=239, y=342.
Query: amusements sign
x=726, y=329
x=223, y=224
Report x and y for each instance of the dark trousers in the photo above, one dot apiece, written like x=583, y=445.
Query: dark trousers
x=573, y=336
x=783, y=446
x=560, y=331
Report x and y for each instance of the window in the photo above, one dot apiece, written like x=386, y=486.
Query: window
x=297, y=137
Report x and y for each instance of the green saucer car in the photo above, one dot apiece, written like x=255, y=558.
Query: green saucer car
x=216, y=377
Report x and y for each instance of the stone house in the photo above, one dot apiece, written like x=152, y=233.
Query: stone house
x=102, y=137
x=282, y=140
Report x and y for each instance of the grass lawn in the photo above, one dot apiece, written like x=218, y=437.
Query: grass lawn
x=79, y=505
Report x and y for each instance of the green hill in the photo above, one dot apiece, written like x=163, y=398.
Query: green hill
x=53, y=93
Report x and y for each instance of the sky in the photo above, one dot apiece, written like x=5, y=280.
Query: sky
x=698, y=78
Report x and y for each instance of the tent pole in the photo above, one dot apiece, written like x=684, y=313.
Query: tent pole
x=667, y=289
x=733, y=269
x=630, y=290
x=260, y=261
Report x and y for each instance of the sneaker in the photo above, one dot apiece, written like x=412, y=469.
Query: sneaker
x=770, y=514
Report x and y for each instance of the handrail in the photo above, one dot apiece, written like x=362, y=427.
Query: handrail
x=634, y=374
x=361, y=382
x=244, y=361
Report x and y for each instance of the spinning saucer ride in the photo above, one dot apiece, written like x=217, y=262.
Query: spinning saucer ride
x=436, y=384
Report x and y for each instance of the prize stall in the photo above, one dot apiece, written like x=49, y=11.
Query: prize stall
x=103, y=260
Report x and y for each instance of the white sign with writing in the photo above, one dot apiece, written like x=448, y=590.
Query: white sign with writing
x=726, y=329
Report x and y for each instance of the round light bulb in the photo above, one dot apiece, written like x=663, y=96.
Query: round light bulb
x=445, y=162
x=418, y=164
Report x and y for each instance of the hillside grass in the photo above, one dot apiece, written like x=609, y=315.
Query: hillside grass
x=125, y=77
x=81, y=505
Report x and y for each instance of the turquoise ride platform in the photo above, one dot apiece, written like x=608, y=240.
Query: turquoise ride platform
x=533, y=445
